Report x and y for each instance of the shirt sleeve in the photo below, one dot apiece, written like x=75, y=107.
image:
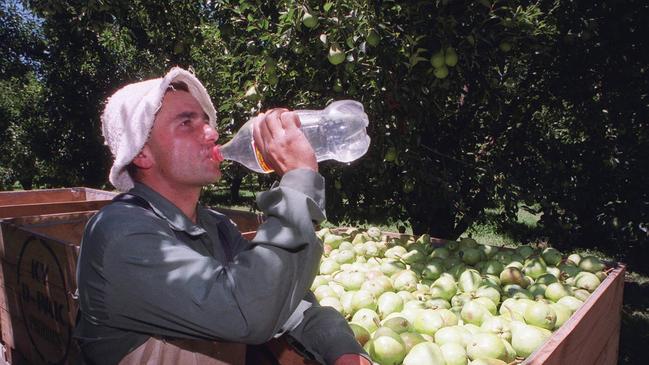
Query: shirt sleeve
x=325, y=334
x=152, y=282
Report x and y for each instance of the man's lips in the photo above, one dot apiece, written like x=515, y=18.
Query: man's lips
x=216, y=154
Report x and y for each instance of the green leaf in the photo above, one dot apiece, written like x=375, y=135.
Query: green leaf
x=350, y=42
x=416, y=59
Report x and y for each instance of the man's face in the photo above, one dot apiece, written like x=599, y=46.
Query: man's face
x=181, y=142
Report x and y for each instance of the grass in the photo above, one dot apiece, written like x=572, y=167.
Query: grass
x=220, y=197
x=492, y=232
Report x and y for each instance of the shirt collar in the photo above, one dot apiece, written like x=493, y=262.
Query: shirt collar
x=167, y=210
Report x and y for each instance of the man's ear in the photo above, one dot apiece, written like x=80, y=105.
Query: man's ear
x=144, y=159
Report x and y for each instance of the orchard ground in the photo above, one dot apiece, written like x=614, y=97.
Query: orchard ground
x=634, y=336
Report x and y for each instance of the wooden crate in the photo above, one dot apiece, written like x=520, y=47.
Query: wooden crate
x=37, y=307
x=23, y=203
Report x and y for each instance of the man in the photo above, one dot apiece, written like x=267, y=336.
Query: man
x=164, y=280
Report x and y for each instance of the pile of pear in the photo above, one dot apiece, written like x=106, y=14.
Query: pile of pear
x=412, y=300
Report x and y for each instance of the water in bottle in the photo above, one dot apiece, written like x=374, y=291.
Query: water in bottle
x=337, y=132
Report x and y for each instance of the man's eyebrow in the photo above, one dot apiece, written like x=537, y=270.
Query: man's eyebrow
x=190, y=115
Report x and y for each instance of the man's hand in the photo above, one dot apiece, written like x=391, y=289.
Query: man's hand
x=282, y=144
x=352, y=359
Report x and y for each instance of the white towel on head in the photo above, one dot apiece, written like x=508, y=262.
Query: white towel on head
x=129, y=114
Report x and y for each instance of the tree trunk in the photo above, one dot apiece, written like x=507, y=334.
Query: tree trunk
x=235, y=186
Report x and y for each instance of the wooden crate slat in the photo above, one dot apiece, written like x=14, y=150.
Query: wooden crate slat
x=6, y=324
x=49, y=201
x=96, y=194
x=18, y=197
x=50, y=208
x=70, y=231
x=2, y=284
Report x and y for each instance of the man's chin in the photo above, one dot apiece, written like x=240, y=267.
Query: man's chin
x=206, y=179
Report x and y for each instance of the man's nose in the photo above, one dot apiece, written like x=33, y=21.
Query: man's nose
x=210, y=134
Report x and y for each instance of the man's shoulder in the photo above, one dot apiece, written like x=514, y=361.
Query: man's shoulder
x=120, y=218
x=125, y=209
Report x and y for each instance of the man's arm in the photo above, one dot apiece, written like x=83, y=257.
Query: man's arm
x=325, y=334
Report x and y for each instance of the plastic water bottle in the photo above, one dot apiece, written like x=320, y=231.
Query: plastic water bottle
x=337, y=132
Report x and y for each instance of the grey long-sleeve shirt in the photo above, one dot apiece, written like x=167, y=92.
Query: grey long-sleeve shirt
x=152, y=271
